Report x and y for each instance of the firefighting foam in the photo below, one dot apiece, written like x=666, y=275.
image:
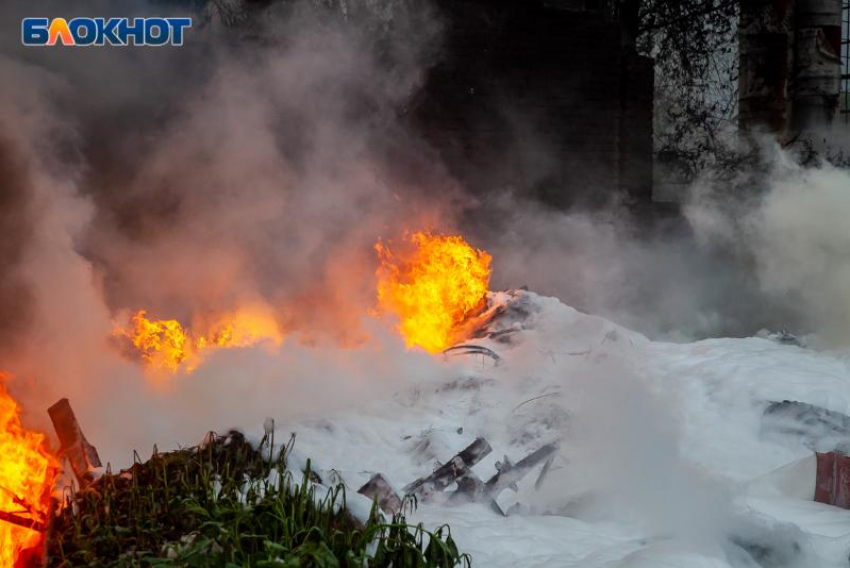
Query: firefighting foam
x=166, y=345
x=27, y=474
x=433, y=285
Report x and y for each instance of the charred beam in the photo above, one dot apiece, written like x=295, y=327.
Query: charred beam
x=450, y=471
x=81, y=455
x=509, y=473
x=471, y=488
x=25, y=522
x=379, y=490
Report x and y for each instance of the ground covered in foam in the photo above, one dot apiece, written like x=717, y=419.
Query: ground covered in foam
x=663, y=451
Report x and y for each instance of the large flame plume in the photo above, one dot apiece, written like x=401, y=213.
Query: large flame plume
x=167, y=345
x=433, y=286
x=27, y=474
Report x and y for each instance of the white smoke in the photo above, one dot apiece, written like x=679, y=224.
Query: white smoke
x=795, y=234
x=802, y=244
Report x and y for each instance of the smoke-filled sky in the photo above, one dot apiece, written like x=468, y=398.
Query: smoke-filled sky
x=260, y=164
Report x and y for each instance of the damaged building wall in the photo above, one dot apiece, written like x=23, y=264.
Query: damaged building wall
x=546, y=100
x=817, y=67
x=790, y=68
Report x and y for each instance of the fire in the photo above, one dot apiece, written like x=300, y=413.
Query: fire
x=434, y=288
x=162, y=344
x=27, y=474
x=166, y=345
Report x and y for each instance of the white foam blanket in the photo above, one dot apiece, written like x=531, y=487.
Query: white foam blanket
x=661, y=461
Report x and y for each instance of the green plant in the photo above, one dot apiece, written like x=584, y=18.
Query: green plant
x=224, y=504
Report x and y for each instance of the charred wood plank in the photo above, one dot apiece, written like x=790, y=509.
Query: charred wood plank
x=471, y=488
x=379, y=490
x=453, y=469
x=81, y=455
x=509, y=473
x=26, y=522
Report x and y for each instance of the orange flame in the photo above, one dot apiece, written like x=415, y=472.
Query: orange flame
x=166, y=345
x=27, y=475
x=434, y=288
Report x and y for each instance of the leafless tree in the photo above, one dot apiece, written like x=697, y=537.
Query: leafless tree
x=694, y=44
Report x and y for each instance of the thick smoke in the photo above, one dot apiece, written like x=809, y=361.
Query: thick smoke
x=802, y=246
x=788, y=225
x=260, y=163
x=658, y=277
x=765, y=249
x=253, y=165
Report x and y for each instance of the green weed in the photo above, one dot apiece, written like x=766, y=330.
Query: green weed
x=222, y=504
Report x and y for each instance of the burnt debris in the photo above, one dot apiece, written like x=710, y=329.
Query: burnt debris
x=81, y=455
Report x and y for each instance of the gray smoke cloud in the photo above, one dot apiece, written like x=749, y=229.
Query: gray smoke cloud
x=803, y=245
x=257, y=164
x=261, y=163
x=661, y=278
x=795, y=234
x=765, y=248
